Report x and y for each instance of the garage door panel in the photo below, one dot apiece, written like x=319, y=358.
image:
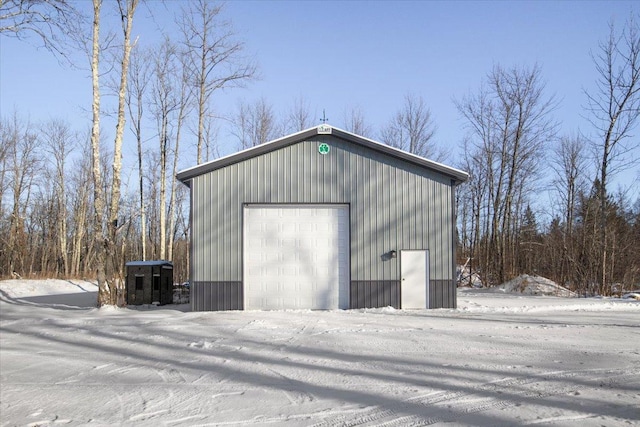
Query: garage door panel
x=288, y=228
x=304, y=264
x=254, y=227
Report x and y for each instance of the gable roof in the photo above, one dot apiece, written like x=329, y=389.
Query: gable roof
x=186, y=175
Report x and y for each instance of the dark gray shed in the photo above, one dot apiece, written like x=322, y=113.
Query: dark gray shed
x=149, y=282
x=322, y=219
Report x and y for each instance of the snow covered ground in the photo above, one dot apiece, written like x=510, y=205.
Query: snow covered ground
x=499, y=360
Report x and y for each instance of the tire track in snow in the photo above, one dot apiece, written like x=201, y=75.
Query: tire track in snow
x=610, y=376
x=171, y=375
x=365, y=416
x=458, y=401
x=300, y=396
x=560, y=418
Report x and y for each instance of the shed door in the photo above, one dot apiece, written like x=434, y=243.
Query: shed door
x=414, y=287
x=296, y=257
x=138, y=291
x=155, y=291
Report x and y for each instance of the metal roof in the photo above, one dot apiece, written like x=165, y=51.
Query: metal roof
x=186, y=175
x=147, y=263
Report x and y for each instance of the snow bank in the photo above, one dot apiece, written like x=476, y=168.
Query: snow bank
x=22, y=288
x=472, y=301
x=54, y=293
x=533, y=285
x=632, y=295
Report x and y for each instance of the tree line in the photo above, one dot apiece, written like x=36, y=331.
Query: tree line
x=64, y=210
x=591, y=241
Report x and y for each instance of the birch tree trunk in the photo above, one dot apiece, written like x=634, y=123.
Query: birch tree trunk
x=127, y=11
x=109, y=270
x=98, y=189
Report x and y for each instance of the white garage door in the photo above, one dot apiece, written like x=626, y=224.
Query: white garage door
x=296, y=257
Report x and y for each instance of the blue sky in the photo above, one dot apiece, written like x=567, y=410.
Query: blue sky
x=338, y=55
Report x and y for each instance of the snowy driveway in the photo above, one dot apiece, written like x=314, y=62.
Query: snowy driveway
x=497, y=360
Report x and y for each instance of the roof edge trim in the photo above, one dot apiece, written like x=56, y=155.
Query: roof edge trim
x=186, y=175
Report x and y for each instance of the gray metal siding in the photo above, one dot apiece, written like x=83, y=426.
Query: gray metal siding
x=394, y=205
x=216, y=296
x=442, y=294
x=374, y=293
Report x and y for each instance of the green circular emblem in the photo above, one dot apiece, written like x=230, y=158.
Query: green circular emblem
x=323, y=148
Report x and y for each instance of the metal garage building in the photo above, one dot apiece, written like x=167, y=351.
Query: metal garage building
x=322, y=219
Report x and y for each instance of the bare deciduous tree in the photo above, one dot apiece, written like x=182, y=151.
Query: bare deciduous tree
x=299, y=117
x=109, y=270
x=59, y=143
x=165, y=101
x=82, y=220
x=49, y=20
x=254, y=124
x=569, y=161
x=184, y=107
x=6, y=148
x=510, y=124
x=411, y=129
x=354, y=122
x=472, y=206
x=214, y=57
x=170, y=99
x=99, y=202
x=22, y=166
x=210, y=139
x=139, y=77
x=127, y=10
x=568, y=164
x=614, y=107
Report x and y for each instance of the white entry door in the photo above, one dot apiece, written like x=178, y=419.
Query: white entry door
x=296, y=257
x=414, y=272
